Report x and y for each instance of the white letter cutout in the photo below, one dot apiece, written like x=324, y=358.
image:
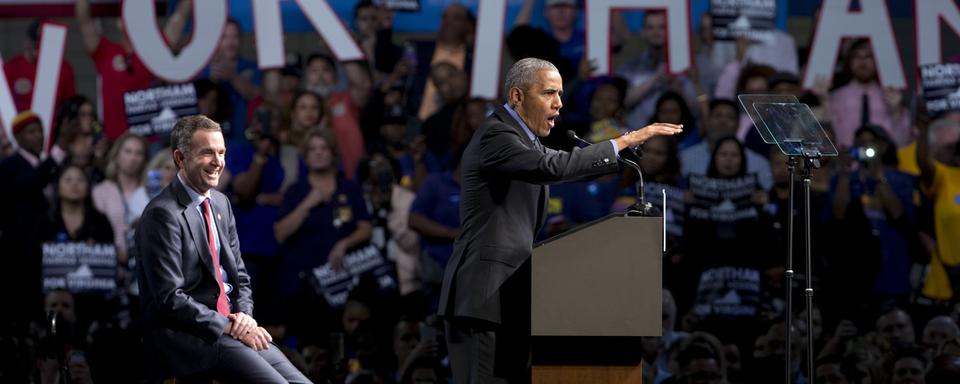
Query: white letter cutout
x=837, y=22
x=268, y=25
x=927, y=17
x=152, y=47
x=53, y=38
x=678, y=31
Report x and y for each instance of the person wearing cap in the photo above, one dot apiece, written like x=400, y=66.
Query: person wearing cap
x=23, y=175
x=21, y=72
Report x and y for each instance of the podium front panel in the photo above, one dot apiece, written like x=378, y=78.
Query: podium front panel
x=602, y=279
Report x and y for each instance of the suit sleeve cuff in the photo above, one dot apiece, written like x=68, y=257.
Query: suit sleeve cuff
x=615, y=152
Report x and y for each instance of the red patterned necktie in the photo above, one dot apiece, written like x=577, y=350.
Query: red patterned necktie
x=222, y=307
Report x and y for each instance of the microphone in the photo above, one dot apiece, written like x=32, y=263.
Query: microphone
x=581, y=143
x=641, y=207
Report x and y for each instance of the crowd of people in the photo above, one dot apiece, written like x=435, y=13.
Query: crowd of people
x=328, y=159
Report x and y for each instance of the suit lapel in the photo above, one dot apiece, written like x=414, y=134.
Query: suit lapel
x=543, y=192
x=198, y=230
x=504, y=116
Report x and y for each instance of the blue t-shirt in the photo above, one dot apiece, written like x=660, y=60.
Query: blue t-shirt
x=893, y=276
x=238, y=119
x=255, y=221
x=439, y=200
x=572, y=50
x=324, y=225
x=437, y=163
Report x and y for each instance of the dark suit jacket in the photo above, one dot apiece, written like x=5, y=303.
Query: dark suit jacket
x=178, y=285
x=23, y=209
x=503, y=203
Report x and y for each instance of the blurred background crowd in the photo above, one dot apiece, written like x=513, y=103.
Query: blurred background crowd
x=383, y=137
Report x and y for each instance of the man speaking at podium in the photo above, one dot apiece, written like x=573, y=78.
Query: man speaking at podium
x=485, y=300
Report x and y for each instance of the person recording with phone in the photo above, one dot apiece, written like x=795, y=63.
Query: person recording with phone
x=870, y=205
x=258, y=184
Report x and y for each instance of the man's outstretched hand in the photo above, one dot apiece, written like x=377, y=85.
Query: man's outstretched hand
x=641, y=135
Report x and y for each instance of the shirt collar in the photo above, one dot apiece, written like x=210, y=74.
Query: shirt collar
x=195, y=197
x=516, y=117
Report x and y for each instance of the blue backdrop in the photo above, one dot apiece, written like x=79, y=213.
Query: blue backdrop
x=428, y=18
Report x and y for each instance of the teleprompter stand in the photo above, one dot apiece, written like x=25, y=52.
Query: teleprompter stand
x=790, y=125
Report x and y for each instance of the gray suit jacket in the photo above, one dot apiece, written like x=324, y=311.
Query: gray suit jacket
x=503, y=203
x=178, y=285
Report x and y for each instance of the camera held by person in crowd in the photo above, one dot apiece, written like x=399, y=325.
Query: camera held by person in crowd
x=261, y=131
x=863, y=154
x=260, y=126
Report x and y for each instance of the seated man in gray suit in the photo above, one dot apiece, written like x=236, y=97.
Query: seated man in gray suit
x=194, y=289
x=485, y=299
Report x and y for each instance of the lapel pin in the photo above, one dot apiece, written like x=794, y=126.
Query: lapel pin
x=218, y=217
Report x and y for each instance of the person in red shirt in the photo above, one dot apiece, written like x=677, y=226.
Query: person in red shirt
x=118, y=67
x=21, y=73
x=344, y=107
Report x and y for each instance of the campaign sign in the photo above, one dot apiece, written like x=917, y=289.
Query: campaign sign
x=754, y=19
x=154, y=111
x=402, y=5
x=941, y=87
x=79, y=266
x=336, y=285
x=728, y=292
x=722, y=200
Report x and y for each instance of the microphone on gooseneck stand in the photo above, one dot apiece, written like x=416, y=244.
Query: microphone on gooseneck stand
x=641, y=207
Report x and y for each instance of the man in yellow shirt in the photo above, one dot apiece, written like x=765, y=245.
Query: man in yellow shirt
x=941, y=135
x=940, y=178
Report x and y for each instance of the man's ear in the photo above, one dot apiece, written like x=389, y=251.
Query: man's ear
x=178, y=157
x=516, y=96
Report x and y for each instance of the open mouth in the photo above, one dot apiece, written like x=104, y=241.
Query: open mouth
x=552, y=119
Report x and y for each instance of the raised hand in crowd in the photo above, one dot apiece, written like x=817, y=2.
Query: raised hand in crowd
x=6, y=147
x=743, y=43
x=79, y=371
x=760, y=198
x=587, y=68
x=636, y=94
x=894, y=100
x=427, y=347
x=335, y=258
x=846, y=330
x=821, y=88
x=222, y=69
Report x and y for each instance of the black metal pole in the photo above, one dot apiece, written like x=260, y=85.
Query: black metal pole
x=809, y=273
x=788, y=288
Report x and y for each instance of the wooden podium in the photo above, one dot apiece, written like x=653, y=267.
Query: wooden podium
x=595, y=291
